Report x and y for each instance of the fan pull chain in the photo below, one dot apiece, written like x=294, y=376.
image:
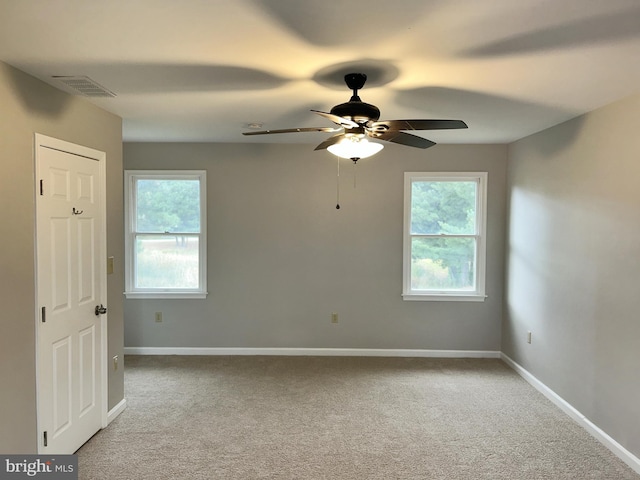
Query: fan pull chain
x=338, y=186
x=355, y=164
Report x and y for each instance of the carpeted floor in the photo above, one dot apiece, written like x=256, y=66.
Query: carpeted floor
x=339, y=418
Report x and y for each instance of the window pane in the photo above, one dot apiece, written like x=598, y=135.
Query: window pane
x=443, y=207
x=167, y=205
x=167, y=261
x=443, y=263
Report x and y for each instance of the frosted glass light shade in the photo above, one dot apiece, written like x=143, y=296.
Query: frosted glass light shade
x=355, y=147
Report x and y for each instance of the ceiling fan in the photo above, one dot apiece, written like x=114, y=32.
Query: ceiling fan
x=358, y=121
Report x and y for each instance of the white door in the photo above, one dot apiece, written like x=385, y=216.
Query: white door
x=70, y=284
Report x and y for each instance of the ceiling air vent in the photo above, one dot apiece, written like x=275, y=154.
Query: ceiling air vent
x=84, y=86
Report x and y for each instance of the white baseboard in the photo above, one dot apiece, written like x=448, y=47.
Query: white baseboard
x=117, y=410
x=319, y=352
x=622, y=453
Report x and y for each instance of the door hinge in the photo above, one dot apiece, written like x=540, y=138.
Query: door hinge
x=44, y=314
x=45, y=439
x=41, y=187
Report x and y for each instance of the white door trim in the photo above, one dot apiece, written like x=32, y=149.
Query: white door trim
x=64, y=146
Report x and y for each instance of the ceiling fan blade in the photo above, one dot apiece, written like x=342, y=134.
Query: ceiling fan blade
x=330, y=141
x=418, y=124
x=405, y=139
x=345, y=122
x=293, y=130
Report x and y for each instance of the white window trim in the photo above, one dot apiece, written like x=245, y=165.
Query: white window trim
x=478, y=295
x=130, y=176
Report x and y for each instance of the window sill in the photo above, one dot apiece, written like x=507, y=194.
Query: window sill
x=428, y=297
x=175, y=295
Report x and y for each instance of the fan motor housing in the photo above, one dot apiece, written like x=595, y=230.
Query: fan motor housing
x=357, y=111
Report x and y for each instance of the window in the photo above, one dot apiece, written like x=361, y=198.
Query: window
x=165, y=234
x=444, y=236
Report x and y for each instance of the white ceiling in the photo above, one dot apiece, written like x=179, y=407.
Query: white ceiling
x=202, y=70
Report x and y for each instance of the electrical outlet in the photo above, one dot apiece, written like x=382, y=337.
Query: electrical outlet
x=528, y=337
x=334, y=317
x=158, y=317
x=115, y=362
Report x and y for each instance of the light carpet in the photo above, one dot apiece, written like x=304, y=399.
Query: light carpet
x=196, y=417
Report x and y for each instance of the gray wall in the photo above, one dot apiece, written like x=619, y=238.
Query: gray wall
x=282, y=258
x=573, y=258
x=30, y=106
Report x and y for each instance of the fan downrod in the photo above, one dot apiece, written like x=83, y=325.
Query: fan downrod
x=355, y=109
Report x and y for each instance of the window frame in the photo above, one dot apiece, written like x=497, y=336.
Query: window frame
x=130, y=204
x=476, y=295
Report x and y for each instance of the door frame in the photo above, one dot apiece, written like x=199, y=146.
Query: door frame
x=43, y=141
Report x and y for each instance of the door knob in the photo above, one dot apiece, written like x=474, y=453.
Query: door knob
x=100, y=309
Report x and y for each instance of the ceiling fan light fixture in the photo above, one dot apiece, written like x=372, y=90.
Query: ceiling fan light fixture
x=355, y=147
